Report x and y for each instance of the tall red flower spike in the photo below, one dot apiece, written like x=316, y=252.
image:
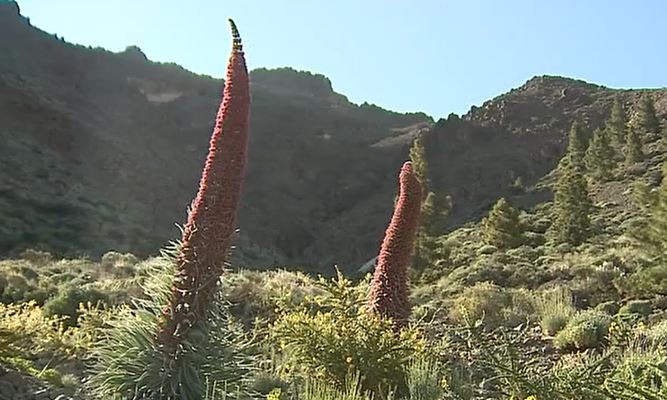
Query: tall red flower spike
x=208, y=234
x=388, y=295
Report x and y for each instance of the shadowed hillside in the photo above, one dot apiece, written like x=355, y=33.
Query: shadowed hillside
x=102, y=151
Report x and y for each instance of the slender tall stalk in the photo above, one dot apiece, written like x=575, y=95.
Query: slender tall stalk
x=389, y=293
x=209, y=231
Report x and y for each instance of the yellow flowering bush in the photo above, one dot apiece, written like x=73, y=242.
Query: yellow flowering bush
x=40, y=345
x=25, y=332
x=339, y=338
x=620, y=332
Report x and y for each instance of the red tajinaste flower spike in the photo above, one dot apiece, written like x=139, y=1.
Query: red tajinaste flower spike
x=209, y=231
x=388, y=294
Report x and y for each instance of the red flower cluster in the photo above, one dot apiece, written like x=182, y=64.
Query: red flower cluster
x=388, y=295
x=209, y=231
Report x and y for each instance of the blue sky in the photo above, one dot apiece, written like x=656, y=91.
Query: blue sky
x=432, y=56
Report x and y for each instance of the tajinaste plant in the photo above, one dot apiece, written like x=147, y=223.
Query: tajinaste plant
x=208, y=234
x=389, y=292
x=179, y=342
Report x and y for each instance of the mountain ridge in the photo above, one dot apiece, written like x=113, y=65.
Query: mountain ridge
x=104, y=151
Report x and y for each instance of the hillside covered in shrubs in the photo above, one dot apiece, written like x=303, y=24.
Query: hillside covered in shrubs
x=320, y=169
x=554, y=290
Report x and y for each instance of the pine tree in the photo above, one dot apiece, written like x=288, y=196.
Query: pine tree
x=572, y=207
x=434, y=213
x=576, y=146
x=633, y=147
x=572, y=204
x=419, y=162
x=600, y=156
x=644, y=196
x=501, y=228
x=647, y=119
x=435, y=208
x=654, y=236
x=428, y=250
x=617, y=123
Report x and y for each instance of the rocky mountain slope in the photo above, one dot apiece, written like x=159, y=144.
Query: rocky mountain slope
x=103, y=151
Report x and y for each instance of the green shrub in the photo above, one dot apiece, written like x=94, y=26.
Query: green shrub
x=622, y=331
x=480, y=271
x=339, y=338
x=484, y=301
x=14, y=288
x=28, y=273
x=591, y=286
x=118, y=264
x=563, y=248
x=487, y=249
x=660, y=302
x=255, y=294
x=587, y=329
x=534, y=238
x=60, y=278
x=608, y=307
x=541, y=225
x=637, y=307
x=524, y=253
x=36, y=257
x=67, y=302
x=646, y=282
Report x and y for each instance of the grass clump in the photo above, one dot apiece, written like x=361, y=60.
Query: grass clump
x=658, y=333
x=585, y=330
x=555, y=309
x=424, y=380
x=352, y=389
